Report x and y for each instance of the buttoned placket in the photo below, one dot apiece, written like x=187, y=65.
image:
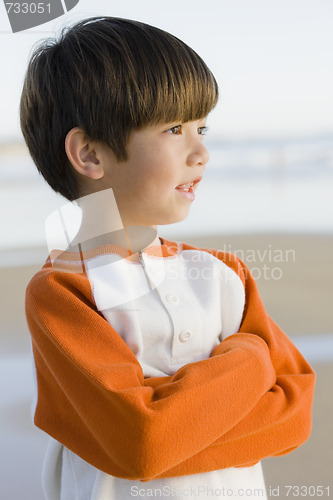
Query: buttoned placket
x=171, y=301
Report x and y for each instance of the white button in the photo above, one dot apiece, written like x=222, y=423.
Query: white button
x=172, y=299
x=185, y=335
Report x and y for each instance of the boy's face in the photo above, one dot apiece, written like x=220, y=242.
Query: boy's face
x=161, y=158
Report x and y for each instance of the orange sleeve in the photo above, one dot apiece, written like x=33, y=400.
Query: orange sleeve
x=94, y=399
x=281, y=419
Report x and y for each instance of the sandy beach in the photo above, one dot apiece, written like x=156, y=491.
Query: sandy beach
x=294, y=274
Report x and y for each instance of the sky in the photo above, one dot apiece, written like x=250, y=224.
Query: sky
x=273, y=60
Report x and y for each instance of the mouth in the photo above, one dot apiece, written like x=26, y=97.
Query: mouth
x=188, y=187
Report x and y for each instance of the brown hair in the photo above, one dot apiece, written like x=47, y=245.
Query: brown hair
x=108, y=76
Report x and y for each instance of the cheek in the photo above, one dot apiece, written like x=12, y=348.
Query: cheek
x=159, y=184
x=155, y=173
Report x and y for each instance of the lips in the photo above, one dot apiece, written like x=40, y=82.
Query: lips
x=189, y=185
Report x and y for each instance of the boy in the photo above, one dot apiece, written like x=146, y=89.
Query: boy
x=155, y=361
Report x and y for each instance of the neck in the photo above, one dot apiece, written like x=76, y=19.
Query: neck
x=101, y=224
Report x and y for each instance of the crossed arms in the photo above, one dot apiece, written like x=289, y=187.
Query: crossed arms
x=250, y=399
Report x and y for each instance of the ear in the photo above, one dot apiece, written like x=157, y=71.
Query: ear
x=83, y=154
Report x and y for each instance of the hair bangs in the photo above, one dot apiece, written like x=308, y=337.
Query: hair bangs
x=172, y=82
x=187, y=99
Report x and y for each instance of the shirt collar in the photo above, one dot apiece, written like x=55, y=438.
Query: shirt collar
x=73, y=260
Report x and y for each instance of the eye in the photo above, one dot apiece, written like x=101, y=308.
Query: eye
x=176, y=130
x=202, y=130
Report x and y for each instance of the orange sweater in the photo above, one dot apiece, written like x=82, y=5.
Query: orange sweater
x=250, y=399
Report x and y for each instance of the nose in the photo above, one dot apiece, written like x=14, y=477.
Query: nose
x=199, y=154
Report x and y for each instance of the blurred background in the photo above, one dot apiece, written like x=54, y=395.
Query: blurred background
x=266, y=195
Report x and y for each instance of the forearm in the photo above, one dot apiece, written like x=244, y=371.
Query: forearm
x=279, y=423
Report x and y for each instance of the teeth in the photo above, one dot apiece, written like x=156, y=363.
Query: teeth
x=186, y=187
